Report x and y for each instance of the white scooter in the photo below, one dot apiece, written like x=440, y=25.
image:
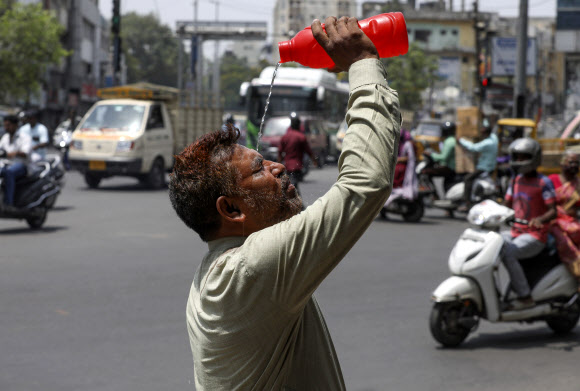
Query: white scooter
x=474, y=289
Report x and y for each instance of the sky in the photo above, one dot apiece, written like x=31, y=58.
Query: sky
x=170, y=11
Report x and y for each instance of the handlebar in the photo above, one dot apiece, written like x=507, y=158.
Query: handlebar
x=513, y=220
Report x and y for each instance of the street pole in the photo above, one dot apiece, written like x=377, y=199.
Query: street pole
x=522, y=46
x=478, y=98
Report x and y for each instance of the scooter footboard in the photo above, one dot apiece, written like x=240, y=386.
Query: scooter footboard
x=457, y=288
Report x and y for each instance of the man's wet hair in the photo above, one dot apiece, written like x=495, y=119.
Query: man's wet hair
x=202, y=173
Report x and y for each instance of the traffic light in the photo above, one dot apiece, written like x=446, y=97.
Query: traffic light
x=486, y=82
x=116, y=19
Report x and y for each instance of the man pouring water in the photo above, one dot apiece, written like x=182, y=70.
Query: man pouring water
x=252, y=318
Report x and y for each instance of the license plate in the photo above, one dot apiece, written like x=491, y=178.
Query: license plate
x=97, y=165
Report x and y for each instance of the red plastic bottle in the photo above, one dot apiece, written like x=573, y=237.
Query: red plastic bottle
x=387, y=31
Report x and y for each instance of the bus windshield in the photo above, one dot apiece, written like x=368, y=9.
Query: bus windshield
x=122, y=117
x=283, y=101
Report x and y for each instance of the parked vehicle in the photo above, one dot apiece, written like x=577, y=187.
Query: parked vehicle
x=135, y=131
x=473, y=291
x=32, y=193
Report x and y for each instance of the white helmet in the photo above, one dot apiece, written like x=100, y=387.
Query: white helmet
x=525, y=146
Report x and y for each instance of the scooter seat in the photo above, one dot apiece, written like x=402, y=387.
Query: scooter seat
x=32, y=176
x=537, y=267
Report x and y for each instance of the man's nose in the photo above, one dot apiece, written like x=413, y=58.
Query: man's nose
x=277, y=169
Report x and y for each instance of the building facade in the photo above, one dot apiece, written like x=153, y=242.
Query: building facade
x=72, y=85
x=455, y=37
x=568, y=43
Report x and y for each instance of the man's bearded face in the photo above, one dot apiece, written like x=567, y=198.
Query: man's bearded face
x=274, y=207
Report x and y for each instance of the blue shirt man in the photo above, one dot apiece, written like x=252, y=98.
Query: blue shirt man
x=486, y=148
x=486, y=162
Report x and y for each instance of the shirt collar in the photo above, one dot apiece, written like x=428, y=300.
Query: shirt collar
x=224, y=244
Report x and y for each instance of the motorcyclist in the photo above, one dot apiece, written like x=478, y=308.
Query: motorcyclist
x=37, y=133
x=445, y=160
x=486, y=162
x=17, y=147
x=532, y=197
x=293, y=146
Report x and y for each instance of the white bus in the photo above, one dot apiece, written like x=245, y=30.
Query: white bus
x=306, y=91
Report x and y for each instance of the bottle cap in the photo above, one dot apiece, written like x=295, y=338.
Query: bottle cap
x=285, y=49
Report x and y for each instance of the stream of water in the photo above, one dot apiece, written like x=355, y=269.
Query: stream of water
x=266, y=108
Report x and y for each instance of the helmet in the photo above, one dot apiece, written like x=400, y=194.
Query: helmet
x=448, y=129
x=529, y=149
x=294, y=121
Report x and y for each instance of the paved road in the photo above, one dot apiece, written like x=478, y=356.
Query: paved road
x=96, y=301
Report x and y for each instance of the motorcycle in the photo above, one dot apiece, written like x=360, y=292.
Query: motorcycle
x=32, y=193
x=406, y=201
x=62, y=139
x=474, y=291
x=410, y=208
x=453, y=189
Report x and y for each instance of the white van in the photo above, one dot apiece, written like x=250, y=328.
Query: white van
x=133, y=136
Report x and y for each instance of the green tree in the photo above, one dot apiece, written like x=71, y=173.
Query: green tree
x=411, y=74
x=151, y=49
x=233, y=73
x=29, y=42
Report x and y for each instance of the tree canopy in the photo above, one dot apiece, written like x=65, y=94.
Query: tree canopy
x=29, y=42
x=151, y=49
x=233, y=73
x=411, y=74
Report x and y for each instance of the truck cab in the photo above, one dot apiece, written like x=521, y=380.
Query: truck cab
x=128, y=133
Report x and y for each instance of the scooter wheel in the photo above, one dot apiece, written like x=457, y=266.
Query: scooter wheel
x=384, y=213
x=445, y=326
x=36, y=221
x=565, y=323
x=415, y=212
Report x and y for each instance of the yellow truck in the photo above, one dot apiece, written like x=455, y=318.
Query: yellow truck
x=135, y=130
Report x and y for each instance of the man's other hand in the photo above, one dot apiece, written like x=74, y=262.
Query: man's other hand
x=344, y=42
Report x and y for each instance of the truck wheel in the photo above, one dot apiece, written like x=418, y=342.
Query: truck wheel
x=156, y=176
x=92, y=180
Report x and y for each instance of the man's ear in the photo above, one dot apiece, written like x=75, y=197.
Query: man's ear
x=228, y=208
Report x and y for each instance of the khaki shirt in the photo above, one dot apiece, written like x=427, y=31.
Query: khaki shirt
x=252, y=318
